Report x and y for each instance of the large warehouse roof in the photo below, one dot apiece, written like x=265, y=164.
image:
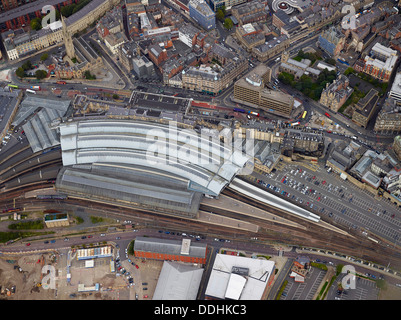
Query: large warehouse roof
x=178, y=281
x=172, y=247
x=208, y=165
x=238, y=278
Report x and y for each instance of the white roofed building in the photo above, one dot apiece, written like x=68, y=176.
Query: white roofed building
x=380, y=62
x=239, y=278
x=178, y=281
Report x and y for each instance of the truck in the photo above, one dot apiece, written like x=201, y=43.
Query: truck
x=35, y=88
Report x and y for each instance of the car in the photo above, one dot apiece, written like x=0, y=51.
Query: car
x=53, y=241
x=66, y=239
x=160, y=231
x=90, y=237
x=136, y=266
x=28, y=244
x=118, y=238
x=46, y=241
x=83, y=237
x=145, y=296
x=318, y=199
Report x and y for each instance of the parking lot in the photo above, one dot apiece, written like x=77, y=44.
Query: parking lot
x=326, y=194
x=365, y=289
x=306, y=290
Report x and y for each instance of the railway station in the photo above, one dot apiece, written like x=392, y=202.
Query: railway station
x=143, y=163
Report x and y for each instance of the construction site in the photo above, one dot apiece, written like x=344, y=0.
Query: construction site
x=21, y=278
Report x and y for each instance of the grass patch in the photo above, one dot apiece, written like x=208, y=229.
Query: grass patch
x=280, y=292
x=27, y=225
x=95, y=220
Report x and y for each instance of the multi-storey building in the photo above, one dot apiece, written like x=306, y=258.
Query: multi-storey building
x=202, y=14
x=188, y=34
x=395, y=91
x=336, y=93
x=365, y=108
x=143, y=68
x=380, y=62
x=250, y=35
x=389, y=118
x=213, y=79
x=19, y=43
x=249, y=12
x=89, y=14
x=228, y=4
x=251, y=91
x=271, y=48
x=332, y=41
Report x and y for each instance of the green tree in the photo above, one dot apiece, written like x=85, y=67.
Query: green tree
x=36, y=23
x=115, y=96
x=20, y=72
x=220, y=15
x=44, y=57
x=89, y=76
x=27, y=65
x=228, y=24
x=41, y=74
x=348, y=71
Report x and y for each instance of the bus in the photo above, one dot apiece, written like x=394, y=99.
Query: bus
x=13, y=86
x=253, y=113
x=304, y=114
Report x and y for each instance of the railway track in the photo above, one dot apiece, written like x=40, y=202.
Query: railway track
x=311, y=234
x=319, y=237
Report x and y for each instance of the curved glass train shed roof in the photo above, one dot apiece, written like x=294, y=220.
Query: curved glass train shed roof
x=207, y=164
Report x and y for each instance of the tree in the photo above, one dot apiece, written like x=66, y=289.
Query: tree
x=41, y=74
x=115, y=96
x=20, y=72
x=44, y=57
x=228, y=24
x=36, y=24
x=348, y=71
x=27, y=65
x=89, y=76
x=220, y=15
